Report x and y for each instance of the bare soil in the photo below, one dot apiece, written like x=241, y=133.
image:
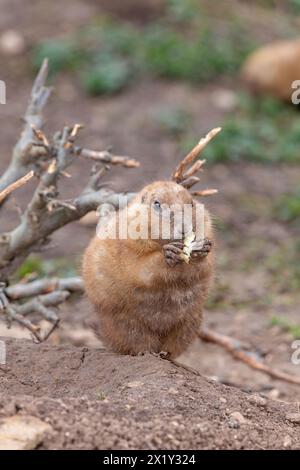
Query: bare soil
x=94, y=399
x=97, y=400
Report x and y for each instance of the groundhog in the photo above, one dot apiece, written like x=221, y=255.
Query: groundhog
x=148, y=295
x=272, y=69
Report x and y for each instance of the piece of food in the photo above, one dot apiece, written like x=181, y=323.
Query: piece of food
x=188, y=247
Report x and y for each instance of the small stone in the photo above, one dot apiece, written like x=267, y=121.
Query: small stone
x=225, y=100
x=12, y=42
x=287, y=442
x=233, y=424
x=274, y=394
x=22, y=432
x=173, y=391
x=293, y=417
x=202, y=427
x=157, y=441
x=173, y=439
x=213, y=378
x=238, y=417
x=223, y=400
x=257, y=400
x=134, y=384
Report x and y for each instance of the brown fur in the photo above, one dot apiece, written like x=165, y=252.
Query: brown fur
x=144, y=304
x=273, y=68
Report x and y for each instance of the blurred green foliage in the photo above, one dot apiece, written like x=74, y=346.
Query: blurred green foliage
x=33, y=264
x=168, y=53
x=184, y=44
x=284, y=266
x=262, y=130
x=183, y=10
x=107, y=76
x=287, y=208
x=294, y=5
x=173, y=120
x=104, y=56
x=286, y=325
x=63, y=267
x=181, y=45
x=62, y=55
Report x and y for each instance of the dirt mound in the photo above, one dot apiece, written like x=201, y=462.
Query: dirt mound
x=97, y=400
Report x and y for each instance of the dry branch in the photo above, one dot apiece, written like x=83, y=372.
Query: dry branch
x=48, y=158
x=106, y=157
x=44, y=286
x=45, y=213
x=237, y=350
x=205, y=192
x=181, y=172
x=44, y=294
x=17, y=184
x=21, y=161
x=185, y=172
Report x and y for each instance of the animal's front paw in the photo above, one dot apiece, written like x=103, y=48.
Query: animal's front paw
x=173, y=253
x=201, y=249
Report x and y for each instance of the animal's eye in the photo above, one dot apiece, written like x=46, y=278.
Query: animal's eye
x=156, y=204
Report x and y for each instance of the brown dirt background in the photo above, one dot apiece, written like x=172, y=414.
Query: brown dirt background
x=84, y=394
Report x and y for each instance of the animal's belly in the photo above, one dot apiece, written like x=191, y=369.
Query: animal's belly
x=162, y=310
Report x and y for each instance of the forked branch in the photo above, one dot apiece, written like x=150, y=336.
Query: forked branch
x=21, y=161
x=47, y=158
x=44, y=295
x=185, y=172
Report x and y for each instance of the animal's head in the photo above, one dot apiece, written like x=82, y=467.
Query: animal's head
x=170, y=209
x=167, y=210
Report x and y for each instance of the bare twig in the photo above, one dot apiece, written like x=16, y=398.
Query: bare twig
x=48, y=159
x=39, y=149
x=13, y=315
x=38, y=222
x=235, y=348
x=43, y=147
x=189, y=182
x=190, y=159
x=45, y=294
x=45, y=213
x=205, y=192
x=17, y=184
x=185, y=172
x=44, y=286
x=21, y=161
x=105, y=157
x=197, y=166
